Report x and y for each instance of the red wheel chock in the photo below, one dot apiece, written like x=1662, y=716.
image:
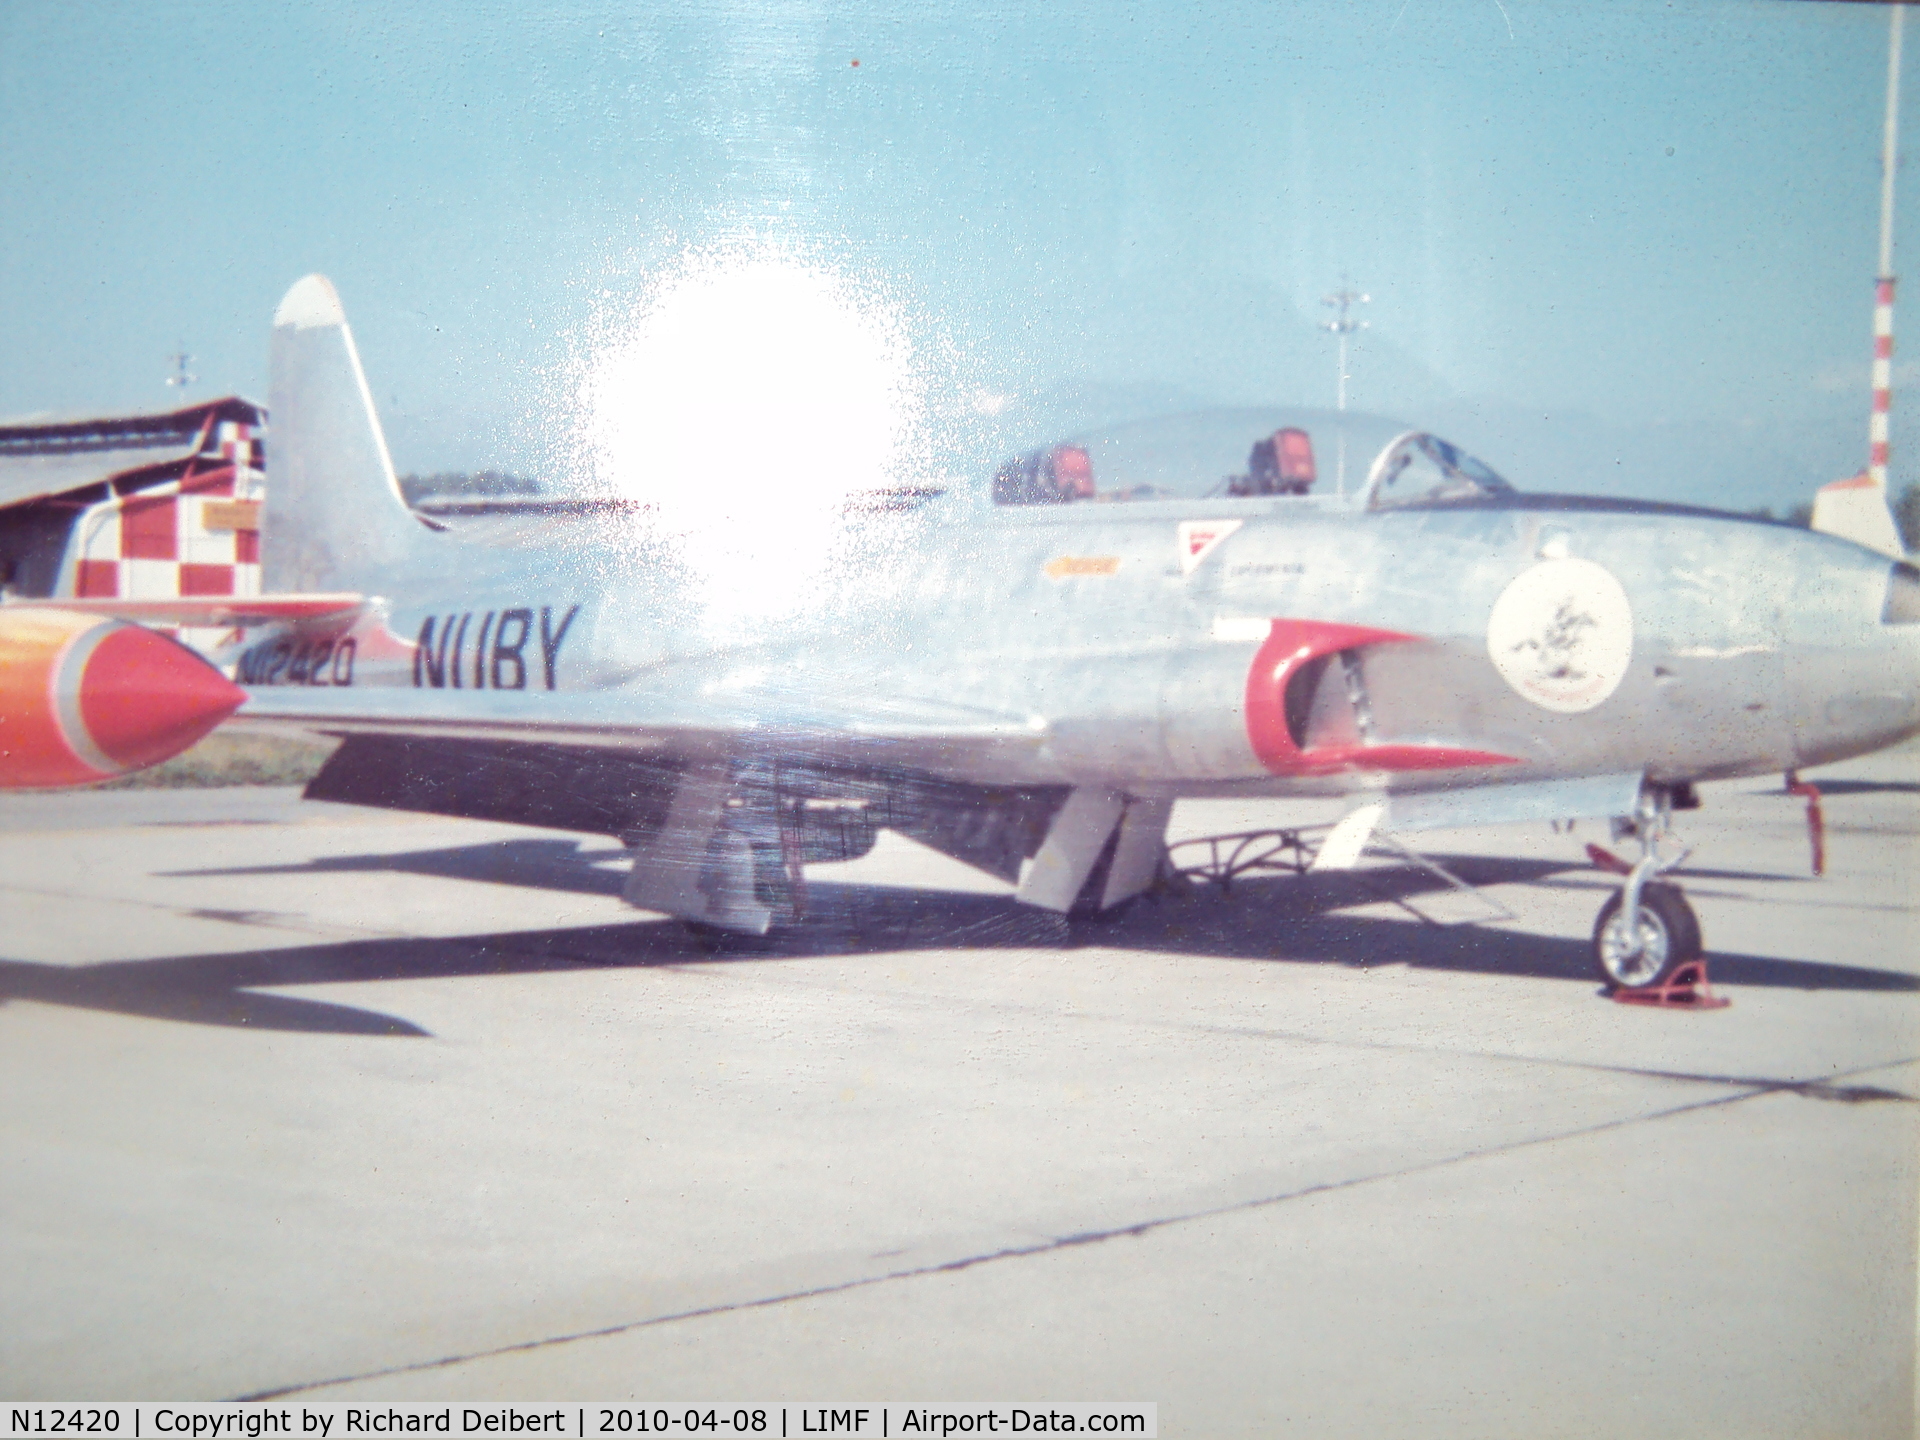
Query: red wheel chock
x=1606, y=860
x=1816, y=822
x=1686, y=989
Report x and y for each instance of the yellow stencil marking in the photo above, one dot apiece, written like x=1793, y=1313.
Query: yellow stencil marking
x=1063, y=566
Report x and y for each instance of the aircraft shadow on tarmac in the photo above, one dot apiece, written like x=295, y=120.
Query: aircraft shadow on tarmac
x=567, y=866
x=1291, y=920
x=1869, y=787
x=563, y=865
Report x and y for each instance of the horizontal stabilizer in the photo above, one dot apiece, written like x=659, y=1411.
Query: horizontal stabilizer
x=208, y=610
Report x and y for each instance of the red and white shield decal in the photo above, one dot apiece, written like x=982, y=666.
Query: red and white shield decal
x=1200, y=538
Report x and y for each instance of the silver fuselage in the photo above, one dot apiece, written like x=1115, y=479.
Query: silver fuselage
x=1068, y=644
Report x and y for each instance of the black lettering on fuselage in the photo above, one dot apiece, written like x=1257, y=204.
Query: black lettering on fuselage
x=505, y=654
x=499, y=650
x=285, y=660
x=550, y=639
x=459, y=646
x=433, y=661
x=480, y=653
x=309, y=663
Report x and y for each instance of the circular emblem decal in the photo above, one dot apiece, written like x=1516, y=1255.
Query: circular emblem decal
x=1561, y=634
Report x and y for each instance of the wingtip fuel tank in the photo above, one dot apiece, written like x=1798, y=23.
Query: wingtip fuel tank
x=84, y=698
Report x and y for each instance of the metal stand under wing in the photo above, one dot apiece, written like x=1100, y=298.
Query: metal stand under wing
x=1378, y=825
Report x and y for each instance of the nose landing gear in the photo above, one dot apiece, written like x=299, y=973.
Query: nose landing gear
x=1646, y=955
x=1646, y=931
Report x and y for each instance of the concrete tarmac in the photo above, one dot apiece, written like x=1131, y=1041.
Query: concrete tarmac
x=312, y=1100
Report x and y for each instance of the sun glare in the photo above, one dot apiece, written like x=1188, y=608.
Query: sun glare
x=743, y=402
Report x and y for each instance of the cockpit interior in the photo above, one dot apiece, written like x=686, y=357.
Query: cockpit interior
x=1341, y=457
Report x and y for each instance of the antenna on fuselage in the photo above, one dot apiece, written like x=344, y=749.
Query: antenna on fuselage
x=1343, y=300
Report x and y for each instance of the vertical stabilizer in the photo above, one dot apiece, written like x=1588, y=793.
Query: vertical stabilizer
x=1857, y=510
x=334, y=518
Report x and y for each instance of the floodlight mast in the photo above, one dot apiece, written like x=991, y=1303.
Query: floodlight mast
x=1343, y=300
x=181, y=377
x=1877, y=446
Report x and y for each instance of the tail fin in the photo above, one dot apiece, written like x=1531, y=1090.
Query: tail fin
x=1857, y=510
x=334, y=518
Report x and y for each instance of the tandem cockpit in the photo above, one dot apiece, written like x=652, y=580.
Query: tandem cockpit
x=1331, y=459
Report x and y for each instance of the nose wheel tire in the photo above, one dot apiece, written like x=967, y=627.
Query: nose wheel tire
x=1669, y=935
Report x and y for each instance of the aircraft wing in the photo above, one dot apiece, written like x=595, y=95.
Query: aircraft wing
x=878, y=729
x=613, y=761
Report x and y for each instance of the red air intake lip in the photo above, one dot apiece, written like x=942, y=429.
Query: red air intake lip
x=1290, y=646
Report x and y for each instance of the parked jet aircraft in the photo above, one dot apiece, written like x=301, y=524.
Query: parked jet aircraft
x=1029, y=686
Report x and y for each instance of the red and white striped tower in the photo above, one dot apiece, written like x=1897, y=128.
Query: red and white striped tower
x=1882, y=380
x=1883, y=287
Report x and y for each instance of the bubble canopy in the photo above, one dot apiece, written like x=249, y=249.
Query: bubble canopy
x=1367, y=459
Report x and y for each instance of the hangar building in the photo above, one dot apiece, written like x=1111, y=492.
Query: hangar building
x=144, y=506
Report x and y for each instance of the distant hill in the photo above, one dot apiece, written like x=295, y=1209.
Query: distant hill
x=478, y=484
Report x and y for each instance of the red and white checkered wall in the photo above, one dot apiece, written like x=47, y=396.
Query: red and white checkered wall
x=199, y=535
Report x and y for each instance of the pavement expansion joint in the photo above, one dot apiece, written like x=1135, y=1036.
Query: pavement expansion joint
x=276, y=919
x=1845, y=1094
x=1813, y=1089
x=1048, y=1245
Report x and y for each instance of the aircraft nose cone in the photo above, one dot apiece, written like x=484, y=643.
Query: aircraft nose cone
x=143, y=697
x=1900, y=622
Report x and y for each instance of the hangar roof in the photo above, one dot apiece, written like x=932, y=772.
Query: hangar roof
x=45, y=456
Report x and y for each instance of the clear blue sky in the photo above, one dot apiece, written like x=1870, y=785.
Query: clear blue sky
x=1625, y=245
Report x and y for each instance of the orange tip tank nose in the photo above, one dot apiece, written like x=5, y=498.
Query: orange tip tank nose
x=85, y=699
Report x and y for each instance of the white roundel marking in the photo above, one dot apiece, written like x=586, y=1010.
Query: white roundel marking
x=1561, y=634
